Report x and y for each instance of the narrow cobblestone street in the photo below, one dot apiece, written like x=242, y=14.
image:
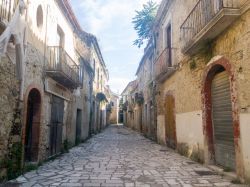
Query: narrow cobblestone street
x=121, y=157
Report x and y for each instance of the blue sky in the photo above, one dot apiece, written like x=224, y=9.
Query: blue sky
x=110, y=21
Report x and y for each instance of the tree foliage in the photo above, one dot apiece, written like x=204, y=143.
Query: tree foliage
x=143, y=22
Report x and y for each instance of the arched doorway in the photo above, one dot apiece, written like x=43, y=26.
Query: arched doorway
x=170, y=127
x=222, y=120
x=32, y=126
x=221, y=116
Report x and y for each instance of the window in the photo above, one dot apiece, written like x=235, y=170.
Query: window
x=101, y=83
x=60, y=37
x=168, y=44
x=98, y=78
x=39, y=17
x=81, y=70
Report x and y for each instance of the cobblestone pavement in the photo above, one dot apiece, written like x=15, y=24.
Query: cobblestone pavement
x=121, y=157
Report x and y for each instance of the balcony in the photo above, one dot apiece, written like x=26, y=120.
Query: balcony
x=62, y=68
x=7, y=10
x=206, y=21
x=163, y=65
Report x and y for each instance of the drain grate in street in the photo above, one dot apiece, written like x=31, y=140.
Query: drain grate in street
x=190, y=163
x=126, y=134
x=163, y=150
x=204, y=173
x=145, y=179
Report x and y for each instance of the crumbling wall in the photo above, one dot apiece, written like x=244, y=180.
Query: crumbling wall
x=10, y=119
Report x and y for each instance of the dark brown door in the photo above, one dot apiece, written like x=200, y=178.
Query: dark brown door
x=57, y=112
x=145, y=129
x=93, y=114
x=170, y=122
x=32, y=126
x=140, y=119
x=78, y=126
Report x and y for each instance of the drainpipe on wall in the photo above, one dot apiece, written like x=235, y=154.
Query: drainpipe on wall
x=45, y=44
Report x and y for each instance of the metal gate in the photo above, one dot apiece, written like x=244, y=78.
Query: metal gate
x=57, y=112
x=170, y=122
x=223, y=121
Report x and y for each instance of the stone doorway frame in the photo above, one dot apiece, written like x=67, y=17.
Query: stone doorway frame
x=24, y=128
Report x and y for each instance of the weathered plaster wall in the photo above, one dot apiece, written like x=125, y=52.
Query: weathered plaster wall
x=86, y=99
x=113, y=118
x=35, y=78
x=143, y=119
x=234, y=45
x=186, y=101
x=186, y=83
x=245, y=129
x=190, y=120
x=161, y=135
x=70, y=120
x=54, y=17
x=34, y=64
x=98, y=85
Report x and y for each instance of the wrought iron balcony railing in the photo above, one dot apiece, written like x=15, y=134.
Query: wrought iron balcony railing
x=208, y=19
x=163, y=64
x=7, y=9
x=62, y=68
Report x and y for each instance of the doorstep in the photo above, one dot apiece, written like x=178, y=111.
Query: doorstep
x=219, y=170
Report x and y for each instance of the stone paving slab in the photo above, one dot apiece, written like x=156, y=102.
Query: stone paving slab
x=121, y=157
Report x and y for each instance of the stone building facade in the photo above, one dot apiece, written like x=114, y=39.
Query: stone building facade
x=200, y=81
x=145, y=108
x=99, y=101
x=128, y=105
x=112, y=107
x=138, y=98
x=49, y=82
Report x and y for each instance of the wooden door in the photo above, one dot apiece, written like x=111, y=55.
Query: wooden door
x=170, y=122
x=57, y=112
x=78, y=126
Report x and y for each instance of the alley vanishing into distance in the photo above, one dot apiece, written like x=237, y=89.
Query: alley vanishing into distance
x=121, y=157
x=175, y=73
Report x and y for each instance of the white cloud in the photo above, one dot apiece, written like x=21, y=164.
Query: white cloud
x=110, y=21
x=118, y=84
x=101, y=14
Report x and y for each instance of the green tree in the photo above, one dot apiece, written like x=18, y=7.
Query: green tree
x=143, y=22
